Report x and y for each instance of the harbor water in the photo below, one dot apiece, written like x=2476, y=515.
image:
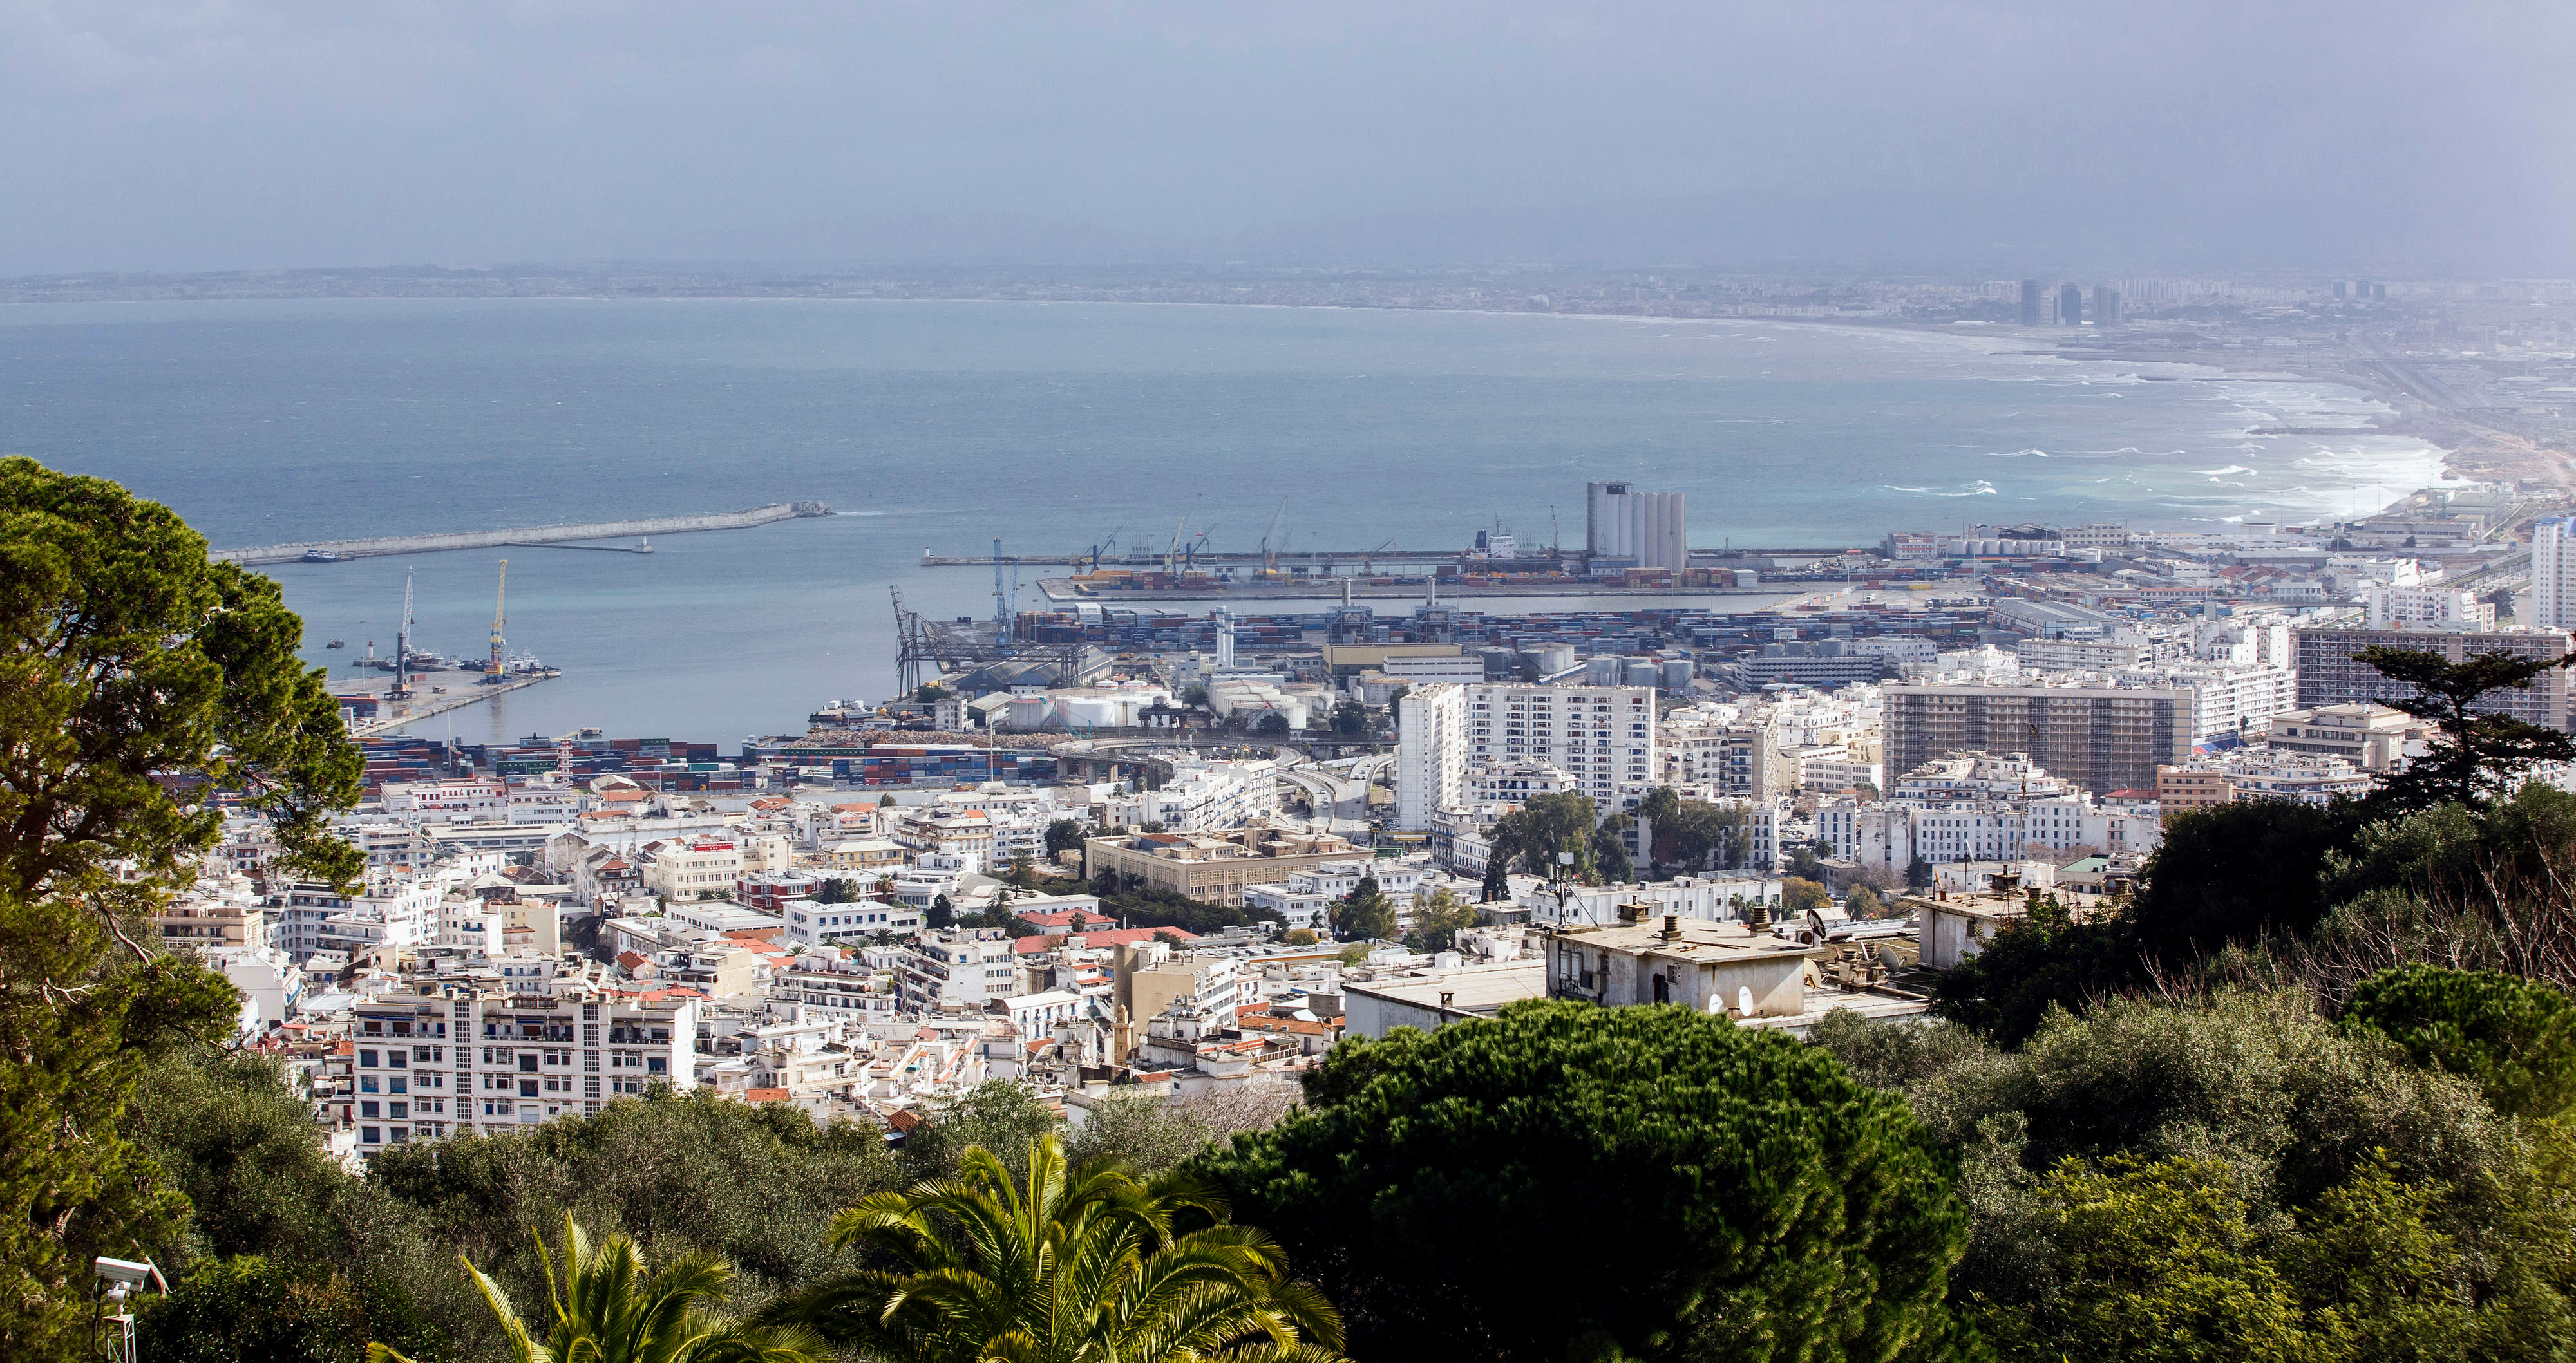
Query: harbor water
x=1054, y=427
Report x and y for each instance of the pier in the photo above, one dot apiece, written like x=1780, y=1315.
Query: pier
x=333, y=550
x=425, y=705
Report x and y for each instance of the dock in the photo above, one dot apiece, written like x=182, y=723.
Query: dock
x=427, y=706
x=1060, y=591
x=327, y=551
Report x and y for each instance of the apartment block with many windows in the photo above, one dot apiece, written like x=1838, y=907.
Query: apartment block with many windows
x=1602, y=736
x=421, y=1067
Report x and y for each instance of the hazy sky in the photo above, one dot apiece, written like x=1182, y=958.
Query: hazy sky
x=2144, y=134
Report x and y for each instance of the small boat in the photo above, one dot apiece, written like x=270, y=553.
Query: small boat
x=337, y=643
x=320, y=556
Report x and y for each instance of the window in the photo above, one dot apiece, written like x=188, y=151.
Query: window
x=366, y=1060
x=528, y=1063
x=398, y=1086
x=399, y=1110
x=370, y=1110
x=366, y=1083
x=371, y=1135
x=527, y=1088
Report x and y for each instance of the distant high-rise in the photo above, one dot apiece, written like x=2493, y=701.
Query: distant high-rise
x=2070, y=305
x=2106, y=305
x=2030, y=302
x=1644, y=528
x=2378, y=293
x=2553, y=573
x=2339, y=287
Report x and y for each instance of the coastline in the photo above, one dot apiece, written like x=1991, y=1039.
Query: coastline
x=2466, y=451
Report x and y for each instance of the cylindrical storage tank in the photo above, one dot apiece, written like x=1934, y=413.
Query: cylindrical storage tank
x=1642, y=672
x=1677, y=674
x=1605, y=670
x=1028, y=712
x=1501, y=664
x=1553, y=658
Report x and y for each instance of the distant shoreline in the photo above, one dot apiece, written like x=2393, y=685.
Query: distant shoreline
x=2465, y=454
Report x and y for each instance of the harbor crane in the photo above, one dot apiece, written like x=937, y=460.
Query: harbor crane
x=1172, y=555
x=1006, y=607
x=1108, y=545
x=402, y=646
x=500, y=595
x=1270, y=555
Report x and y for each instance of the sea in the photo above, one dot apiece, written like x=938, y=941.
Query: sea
x=942, y=426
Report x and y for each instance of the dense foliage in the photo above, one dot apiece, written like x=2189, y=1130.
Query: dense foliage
x=2196, y=1180
x=2515, y=1039
x=136, y=678
x=1687, y=1188
x=1049, y=1260
x=1134, y=904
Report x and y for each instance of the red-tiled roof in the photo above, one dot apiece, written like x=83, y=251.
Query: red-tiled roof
x=766, y=1095
x=1097, y=937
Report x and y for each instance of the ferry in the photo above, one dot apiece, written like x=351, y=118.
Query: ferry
x=320, y=556
x=337, y=643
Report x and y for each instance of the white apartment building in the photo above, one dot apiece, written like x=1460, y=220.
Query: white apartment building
x=2228, y=699
x=1708, y=899
x=1890, y=836
x=398, y=910
x=421, y=1067
x=480, y=800
x=691, y=868
x=1602, y=736
x=2553, y=573
x=1431, y=753
x=1515, y=783
x=2386, y=607
x=967, y=967
x=812, y=923
x=1204, y=797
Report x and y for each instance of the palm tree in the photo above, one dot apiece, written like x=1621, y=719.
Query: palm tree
x=1080, y=1265
x=606, y=1310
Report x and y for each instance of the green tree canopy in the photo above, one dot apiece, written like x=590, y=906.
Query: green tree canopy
x=1064, y=835
x=1062, y=1262
x=2515, y=1039
x=1365, y=913
x=137, y=679
x=1694, y=1190
x=605, y=1307
x=2479, y=753
x=1437, y=921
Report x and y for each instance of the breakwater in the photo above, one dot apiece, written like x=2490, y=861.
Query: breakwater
x=534, y=534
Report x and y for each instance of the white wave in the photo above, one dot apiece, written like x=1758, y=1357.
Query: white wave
x=2232, y=468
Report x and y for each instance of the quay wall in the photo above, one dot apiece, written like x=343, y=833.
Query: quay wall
x=534, y=534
